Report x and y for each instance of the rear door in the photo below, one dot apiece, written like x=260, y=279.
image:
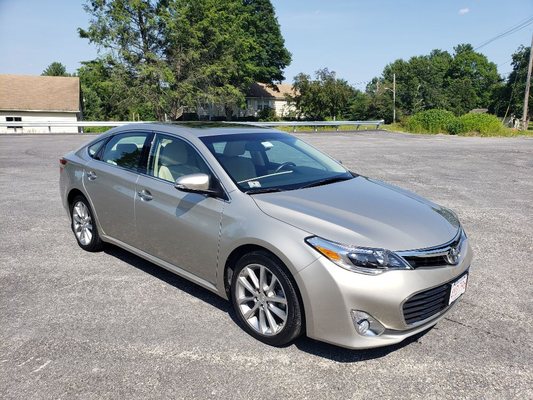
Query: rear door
x=110, y=179
x=177, y=227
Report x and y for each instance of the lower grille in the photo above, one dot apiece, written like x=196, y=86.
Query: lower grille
x=426, y=304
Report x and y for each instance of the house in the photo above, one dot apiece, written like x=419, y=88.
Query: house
x=261, y=96
x=39, y=99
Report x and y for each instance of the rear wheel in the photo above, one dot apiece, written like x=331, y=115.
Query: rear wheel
x=265, y=299
x=84, y=226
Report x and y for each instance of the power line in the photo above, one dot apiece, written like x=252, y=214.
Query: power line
x=521, y=25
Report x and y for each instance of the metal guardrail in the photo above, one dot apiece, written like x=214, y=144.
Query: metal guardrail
x=314, y=124
x=294, y=124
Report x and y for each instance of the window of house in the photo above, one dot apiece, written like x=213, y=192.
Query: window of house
x=14, y=119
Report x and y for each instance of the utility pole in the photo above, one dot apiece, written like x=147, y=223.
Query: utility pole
x=394, y=98
x=528, y=83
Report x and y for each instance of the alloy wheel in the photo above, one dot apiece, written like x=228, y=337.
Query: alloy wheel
x=82, y=223
x=261, y=299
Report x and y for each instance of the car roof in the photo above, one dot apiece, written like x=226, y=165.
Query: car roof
x=194, y=129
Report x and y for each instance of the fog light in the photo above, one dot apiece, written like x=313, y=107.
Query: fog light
x=362, y=326
x=365, y=324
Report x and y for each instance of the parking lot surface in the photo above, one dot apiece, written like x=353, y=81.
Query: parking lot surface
x=111, y=325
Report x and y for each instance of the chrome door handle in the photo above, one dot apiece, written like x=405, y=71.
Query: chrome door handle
x=145, y=195
x=91, y=175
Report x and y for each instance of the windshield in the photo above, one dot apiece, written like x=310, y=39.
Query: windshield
x=262, y=162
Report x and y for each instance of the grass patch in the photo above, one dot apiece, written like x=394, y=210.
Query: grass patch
x=96, y=129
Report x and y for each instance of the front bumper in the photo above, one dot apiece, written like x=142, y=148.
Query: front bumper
x=330, y=293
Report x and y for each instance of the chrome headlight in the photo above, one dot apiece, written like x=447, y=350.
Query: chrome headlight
x=358, y=259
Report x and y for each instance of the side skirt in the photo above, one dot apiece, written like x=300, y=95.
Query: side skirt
x=172, y=268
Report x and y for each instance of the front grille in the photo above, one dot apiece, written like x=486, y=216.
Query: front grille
x=434, y=256
x=420, y=262
x=426, y=304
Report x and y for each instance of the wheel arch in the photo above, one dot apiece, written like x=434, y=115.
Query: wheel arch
x=244, y=249
x=73, y=194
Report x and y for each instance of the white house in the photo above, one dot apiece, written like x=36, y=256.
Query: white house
x=261, y=96
x=39, y=99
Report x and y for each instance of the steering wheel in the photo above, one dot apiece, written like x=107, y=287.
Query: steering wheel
x=285, y=164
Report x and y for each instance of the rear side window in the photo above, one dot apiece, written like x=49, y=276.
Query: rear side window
x=94, y=148
x=124, y=150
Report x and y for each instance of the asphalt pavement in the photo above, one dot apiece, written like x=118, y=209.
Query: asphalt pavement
x=110, y=325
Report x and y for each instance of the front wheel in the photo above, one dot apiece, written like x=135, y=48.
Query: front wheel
x=265, y=299
x=84, y=225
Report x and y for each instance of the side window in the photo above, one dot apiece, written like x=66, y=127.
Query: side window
x=94, y=148
x=171, y=158
x=124, y=150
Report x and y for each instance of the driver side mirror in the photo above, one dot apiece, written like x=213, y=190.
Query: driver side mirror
x=196, y=183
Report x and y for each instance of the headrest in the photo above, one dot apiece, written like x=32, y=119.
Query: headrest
x=174, y=153
x=127, y=148
x=234, y=149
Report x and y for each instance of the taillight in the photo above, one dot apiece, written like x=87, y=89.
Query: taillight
x=62, y=163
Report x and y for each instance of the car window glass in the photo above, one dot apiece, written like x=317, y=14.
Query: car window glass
x=124, y=150
x=279, y=152
x=172, y=158
x=272, y=160
x=93, y=149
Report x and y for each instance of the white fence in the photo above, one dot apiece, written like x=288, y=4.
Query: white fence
x=48, y=125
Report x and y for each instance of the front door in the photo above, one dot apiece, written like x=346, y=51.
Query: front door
x=177, y=227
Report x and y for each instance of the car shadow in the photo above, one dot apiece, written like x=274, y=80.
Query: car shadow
x=311, y=346
x=342, y=355
x=168, y=277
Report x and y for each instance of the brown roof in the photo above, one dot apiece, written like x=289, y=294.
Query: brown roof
x=262, y=90
x=39, y=93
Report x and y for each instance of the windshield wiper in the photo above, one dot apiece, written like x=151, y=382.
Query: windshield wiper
x=264, y=190
x=326, y=181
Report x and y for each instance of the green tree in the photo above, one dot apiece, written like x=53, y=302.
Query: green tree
x=470, y=81
x=324, y=97
x=419, y=81
x=379, y=100
x=358, y=106
x=55, y=69
x=175, y=53
x=438, y=80
x=509, y=98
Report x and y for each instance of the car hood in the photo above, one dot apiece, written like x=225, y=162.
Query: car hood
x=363, y=212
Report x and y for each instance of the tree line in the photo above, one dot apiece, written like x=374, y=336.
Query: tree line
x=158, y=56
x=458, y=82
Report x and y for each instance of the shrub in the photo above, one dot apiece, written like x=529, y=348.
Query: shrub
x=456, y=127
x=485, y=124
x=441, y=121
x=267, y=114
x=430, y=121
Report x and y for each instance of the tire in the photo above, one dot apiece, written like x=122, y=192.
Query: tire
x=270, y=310
x=83, y=225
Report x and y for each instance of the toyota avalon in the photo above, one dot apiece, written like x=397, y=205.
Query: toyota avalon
x=295, y=241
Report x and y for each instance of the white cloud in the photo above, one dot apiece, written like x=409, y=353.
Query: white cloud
x=464, y=11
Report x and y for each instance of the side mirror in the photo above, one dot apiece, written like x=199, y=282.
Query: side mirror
x=195, y=183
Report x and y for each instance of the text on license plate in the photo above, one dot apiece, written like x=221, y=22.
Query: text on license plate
x=458, y=288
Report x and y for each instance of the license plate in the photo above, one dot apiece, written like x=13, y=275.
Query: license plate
x=458, y=288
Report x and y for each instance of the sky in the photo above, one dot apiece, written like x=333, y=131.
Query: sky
x=354, y=38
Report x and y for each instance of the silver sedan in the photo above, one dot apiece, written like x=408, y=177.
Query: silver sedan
x=297, y=243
